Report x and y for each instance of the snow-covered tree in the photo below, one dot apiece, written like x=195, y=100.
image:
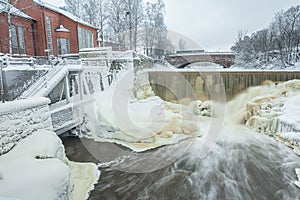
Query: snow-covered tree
x=132, y=24
x=279, y=42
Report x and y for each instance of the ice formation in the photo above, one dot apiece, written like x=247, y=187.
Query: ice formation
x=276, y=112
x=83, y=177
x=142, y=121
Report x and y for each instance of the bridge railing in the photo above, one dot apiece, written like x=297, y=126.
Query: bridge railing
x=42, y=81
x=7, y=61
x=66, y=116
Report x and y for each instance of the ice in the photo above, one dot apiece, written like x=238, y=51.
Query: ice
x=83, y=178
x=291, y=112
x=140, y=122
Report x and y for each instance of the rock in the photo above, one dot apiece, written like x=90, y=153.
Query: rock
x=206, y=109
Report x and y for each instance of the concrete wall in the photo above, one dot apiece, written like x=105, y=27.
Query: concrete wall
x=21, y=118
x=172, y=86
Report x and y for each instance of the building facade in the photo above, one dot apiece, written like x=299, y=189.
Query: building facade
x=49, y=31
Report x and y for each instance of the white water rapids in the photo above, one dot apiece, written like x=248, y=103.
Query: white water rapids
x=243, y=164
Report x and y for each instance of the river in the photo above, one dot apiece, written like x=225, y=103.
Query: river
x=242, y=165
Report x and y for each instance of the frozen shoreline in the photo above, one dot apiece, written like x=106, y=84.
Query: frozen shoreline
x=39, y=161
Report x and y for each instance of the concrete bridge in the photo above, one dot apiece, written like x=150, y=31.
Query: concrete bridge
x=181, y=60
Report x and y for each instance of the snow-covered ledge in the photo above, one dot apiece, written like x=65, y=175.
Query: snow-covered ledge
x=21, y=118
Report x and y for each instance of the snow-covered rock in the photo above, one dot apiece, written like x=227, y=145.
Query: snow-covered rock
x=36, y=169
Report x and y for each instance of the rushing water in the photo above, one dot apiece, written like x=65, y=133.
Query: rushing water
x=242, y=165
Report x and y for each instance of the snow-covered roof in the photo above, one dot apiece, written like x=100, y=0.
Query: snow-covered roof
x=63, y=12
x=14, y=11
x=61, y=28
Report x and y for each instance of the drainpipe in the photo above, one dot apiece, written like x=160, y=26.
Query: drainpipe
x=43, y=21
x=33, y=37
x=1, y=79
x=77, y=38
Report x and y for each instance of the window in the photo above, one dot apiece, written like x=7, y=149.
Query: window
x=17, y=40
x=14, y=40
x=63, y=46
x=49, y=35
x=21, y=40
x=85, y=38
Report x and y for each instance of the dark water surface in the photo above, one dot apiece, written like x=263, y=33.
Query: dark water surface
x=242, y=166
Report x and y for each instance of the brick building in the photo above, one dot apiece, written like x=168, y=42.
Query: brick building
x=47, y=30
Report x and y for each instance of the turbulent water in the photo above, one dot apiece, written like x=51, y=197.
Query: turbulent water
x=242, y=165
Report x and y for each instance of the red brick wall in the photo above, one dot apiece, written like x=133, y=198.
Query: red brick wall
x=3, y=34
x=27, y=29
x=36, y=11
x=57, y=20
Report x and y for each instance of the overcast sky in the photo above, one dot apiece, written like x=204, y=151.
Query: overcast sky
x=214, y=24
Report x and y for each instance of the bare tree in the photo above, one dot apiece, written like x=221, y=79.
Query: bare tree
x=278, y=42
x=181, y=44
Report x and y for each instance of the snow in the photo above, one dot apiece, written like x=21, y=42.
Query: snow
x=37, y=160
x=297, y=170
x=141, y=123
x=15, y=11
x=61, y=28
x=291, y=112
x=12, y=106
x=40, y=161
x=61, y=11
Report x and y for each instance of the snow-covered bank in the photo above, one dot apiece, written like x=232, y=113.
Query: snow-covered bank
x=37, y=168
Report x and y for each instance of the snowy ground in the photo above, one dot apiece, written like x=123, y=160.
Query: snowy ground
x=38, y=169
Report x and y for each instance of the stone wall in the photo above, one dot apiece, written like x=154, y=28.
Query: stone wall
x=21, y=118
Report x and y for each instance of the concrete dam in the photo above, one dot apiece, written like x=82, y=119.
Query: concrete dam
x=179, y=84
